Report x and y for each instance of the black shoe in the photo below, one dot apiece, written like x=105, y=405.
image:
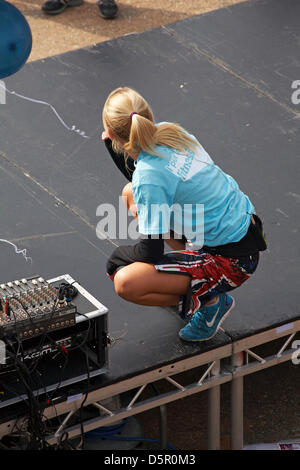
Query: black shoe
x=54, y=7
x=108, y=9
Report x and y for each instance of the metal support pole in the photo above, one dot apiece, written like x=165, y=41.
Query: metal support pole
x=163, y=426
x=237, y=413
x=214, y=411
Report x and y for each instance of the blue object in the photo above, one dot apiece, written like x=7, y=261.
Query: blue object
x=15, y=39
x=209, y=208
x=109, y=433
x=206, y=322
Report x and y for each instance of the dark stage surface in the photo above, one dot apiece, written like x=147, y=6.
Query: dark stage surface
x=226, y=76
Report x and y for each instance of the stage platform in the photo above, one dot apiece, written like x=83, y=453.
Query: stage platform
x=227, y=77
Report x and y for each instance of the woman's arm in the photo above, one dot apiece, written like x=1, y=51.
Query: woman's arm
x=176, y=244
x=126, y=168
x=147, y=250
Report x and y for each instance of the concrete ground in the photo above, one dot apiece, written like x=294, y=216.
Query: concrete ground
x=82, y=26
x=271, y=409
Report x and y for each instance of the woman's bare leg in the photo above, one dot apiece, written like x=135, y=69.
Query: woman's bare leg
x=142, y=284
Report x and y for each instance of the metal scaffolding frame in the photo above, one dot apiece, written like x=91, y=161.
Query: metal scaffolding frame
x=210, y=379
x=241, y=353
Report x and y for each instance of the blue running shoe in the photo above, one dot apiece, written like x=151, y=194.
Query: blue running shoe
x=206, y=322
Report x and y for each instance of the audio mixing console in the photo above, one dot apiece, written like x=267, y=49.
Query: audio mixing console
x=30, y=307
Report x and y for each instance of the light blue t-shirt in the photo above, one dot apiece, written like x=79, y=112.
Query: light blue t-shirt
x=189, y=194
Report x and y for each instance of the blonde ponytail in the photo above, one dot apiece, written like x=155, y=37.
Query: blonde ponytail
x=142, y=134
x=128, y=115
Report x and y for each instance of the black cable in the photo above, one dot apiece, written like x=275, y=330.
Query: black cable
x=68, y=290
x=35, y=423
x=65, y=363
x=79, y=346
x=36, y=427
x=84, y=400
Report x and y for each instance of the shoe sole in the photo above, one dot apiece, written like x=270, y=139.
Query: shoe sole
x=217, y=329
x=73, y=3
x=108, y=17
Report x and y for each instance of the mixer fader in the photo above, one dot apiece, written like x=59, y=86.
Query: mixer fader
x=30, y=307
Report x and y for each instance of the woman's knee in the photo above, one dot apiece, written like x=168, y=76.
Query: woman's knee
x=123, y=285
